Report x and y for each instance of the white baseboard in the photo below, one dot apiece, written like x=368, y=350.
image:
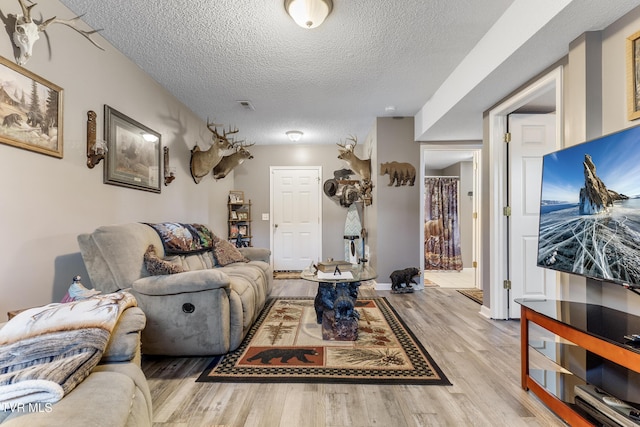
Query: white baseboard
x=383, y=286
x=485, y=312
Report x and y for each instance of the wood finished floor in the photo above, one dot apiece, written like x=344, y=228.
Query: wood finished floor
x=481, y=357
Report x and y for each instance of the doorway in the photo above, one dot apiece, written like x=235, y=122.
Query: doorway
x=461, y=160
x=543, y=96
x=296, y=211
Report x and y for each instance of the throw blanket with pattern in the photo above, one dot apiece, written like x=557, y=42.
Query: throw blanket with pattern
x=178, y=238
x=47, y=351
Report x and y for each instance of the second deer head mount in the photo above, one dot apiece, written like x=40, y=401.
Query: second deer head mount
x=203, y=162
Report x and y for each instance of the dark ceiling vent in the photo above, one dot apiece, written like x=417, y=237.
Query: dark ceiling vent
x=246, y=105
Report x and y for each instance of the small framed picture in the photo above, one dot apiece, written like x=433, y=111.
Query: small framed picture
x=233, y=231
x=236, y=197
x=234, y=215
x=633, y=76
x=243, y=216
x=133, y=159
x=242, y=230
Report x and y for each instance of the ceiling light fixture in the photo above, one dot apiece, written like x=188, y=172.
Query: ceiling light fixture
x=308, y=13
x=294, y=135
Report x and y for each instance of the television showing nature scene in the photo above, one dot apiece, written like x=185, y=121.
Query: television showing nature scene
x=590, y=209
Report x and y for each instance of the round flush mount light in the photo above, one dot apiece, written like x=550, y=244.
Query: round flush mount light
x=308, y=13
x=294, y=135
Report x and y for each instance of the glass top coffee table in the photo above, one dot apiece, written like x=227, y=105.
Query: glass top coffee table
x=335, y=301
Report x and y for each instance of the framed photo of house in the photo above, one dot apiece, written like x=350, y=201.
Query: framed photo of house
x=633, y=76
x=243, y=216
x=30, y=110
x=133, y=153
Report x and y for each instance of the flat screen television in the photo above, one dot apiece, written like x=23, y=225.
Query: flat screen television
x=590, y=209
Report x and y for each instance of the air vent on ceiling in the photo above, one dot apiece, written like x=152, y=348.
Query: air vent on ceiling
x=247, y=105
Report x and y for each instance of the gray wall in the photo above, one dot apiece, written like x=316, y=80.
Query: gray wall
x=393, y=219
x=252, y=177
x=49, y=201
x=398, y=208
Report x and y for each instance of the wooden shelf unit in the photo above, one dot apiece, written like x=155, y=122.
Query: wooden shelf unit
x=609, y=344
x=239, y=219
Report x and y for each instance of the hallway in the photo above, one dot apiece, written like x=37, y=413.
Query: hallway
x=450, y=279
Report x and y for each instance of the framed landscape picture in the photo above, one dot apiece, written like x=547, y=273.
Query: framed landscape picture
x=30, y=110
x=133, y=156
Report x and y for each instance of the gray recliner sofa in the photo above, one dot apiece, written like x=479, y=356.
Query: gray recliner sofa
x=205, y=310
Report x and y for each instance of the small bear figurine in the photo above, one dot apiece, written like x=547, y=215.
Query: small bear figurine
x=401, y=280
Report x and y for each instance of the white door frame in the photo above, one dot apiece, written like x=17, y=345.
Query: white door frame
x=498, y=180
x=476, y=149
x=320, y=193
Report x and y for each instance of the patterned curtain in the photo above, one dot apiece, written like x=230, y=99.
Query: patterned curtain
x=441, y=226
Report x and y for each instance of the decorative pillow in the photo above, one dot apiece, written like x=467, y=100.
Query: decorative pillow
x=157, y=266
x=226, y=253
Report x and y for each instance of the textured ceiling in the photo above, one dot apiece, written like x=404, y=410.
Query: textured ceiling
x=329, y=82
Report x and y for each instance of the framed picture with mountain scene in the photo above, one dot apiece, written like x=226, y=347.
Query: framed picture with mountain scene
x=30, y=110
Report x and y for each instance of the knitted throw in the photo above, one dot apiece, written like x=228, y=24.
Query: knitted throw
x=46, y=351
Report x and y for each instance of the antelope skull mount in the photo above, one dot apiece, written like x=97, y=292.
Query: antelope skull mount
x=27, y=32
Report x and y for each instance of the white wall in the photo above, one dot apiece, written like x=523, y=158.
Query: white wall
x=46, y=202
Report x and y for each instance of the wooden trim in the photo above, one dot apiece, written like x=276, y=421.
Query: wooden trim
x=624, y=357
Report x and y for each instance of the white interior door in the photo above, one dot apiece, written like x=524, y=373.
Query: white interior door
x=296, y=225
x=532, y=136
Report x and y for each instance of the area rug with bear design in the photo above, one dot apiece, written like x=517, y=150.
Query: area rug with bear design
x=285, y=345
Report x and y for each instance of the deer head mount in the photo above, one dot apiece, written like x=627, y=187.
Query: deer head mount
x=359, y=166
x=203, y=162
x=27, y=32
x=228, y=163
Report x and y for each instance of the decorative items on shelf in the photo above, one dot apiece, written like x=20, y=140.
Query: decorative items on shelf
x=96, y=149
x=239, y=219
x=169, y=172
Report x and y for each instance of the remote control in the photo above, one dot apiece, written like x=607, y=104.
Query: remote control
x=633, y=337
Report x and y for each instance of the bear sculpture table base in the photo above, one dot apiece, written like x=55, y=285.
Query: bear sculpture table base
x=335, y=304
